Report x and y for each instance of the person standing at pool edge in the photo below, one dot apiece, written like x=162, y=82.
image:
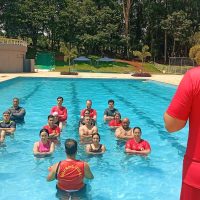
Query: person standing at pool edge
x=186, y=104
x=70, y=172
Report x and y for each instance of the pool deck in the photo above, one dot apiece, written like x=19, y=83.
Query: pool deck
x=164, y=78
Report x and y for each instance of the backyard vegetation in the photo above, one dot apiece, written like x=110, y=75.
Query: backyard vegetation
x=125, y=29
x=114, y=67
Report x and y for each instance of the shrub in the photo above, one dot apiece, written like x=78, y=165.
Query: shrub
x=68, y=73
x=141, y=74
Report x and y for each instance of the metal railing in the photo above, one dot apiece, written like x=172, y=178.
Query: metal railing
x=4, y=40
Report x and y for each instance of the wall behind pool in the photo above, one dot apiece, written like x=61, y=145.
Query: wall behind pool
x=11, y=58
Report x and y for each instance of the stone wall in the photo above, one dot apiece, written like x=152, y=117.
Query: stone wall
x=12, y=58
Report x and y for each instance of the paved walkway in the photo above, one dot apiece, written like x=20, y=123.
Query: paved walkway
x=171, y=79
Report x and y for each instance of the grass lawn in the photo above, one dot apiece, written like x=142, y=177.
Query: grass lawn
x=107, y=67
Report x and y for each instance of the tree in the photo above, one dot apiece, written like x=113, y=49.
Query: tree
x=178, y=26
x=194, y=53
x=126, y=4
x=68, y=52
x=195, y=39
x=142, y=55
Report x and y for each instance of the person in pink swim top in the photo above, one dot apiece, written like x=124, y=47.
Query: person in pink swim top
x=62, y=112
x=44, y=147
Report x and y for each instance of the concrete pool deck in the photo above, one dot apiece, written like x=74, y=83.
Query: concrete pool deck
x=164, y=78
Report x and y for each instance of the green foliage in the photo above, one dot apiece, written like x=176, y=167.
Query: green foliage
x=195, y=39
x=115, y=67
x=142, y=55
x=97, y=27
x=69, y=53
x=178, y=26
x=195, y=53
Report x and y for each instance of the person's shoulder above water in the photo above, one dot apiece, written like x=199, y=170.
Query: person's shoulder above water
x=17, y=113
x=44, y=147
x=70, y=173
x=137, y=145
x=95, y=147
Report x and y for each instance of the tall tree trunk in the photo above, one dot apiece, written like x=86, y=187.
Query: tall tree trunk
x=126, y=11
x=165, y=51
x=174, y=44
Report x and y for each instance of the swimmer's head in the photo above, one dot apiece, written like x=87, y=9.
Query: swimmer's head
x=15, y=102
x=6, y=113
x=111, y=103
x=70, y=147
x=137, y=130
x=117, y=115
x=88, y=104
x=87, y=112
x=95, y=136
x=60, y=100
x=44, y=130
x=125, y=122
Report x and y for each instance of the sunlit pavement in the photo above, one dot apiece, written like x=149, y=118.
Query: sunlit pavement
x=170, y=79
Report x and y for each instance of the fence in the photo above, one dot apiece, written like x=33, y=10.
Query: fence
x=4, y=40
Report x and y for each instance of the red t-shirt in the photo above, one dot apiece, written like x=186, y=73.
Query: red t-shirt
x=55, y=129
x=62, y=112
x=133, y=145
x=71, y=175
x=186, y=104
x=113, y=122
x=92, y=112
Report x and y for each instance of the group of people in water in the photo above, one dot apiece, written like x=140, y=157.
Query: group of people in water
x=71, y=172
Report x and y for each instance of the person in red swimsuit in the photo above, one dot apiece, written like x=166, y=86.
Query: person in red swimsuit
x=62, y=112
x=53, y=129
x=186, y=105
x=137, y=145
x=93, y=113
x=116, y=122
x=70, y=172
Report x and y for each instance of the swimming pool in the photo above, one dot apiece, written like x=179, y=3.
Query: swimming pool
x=117, y=175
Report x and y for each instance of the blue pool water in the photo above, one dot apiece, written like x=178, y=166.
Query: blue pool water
x=117, y=176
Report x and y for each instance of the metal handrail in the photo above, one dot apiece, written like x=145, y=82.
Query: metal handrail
x=4, y=40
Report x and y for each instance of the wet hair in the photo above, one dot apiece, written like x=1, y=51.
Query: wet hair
x=117, y=113
x=96, y=134
x=86, y=110
x=15, y=98
x=44, y=130
x=137, y=128
x=70, y=146
x=60, y=98
x=6, y=112
x=50, y=116
x=111, y=101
